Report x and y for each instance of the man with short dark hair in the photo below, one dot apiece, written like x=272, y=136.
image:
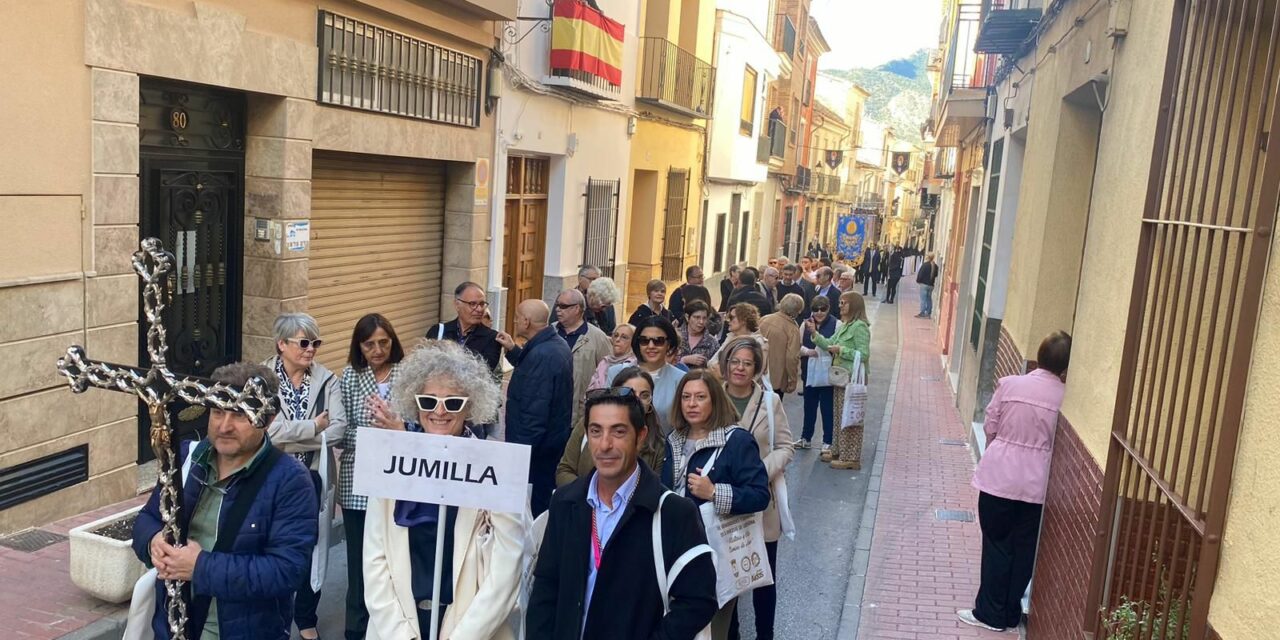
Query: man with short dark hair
x=540, y=396
x=693, y=277
x=748, y=292
x=792, y=282
x=468, y=328
x=871, y=268
x=596, y=576
x=926, y=277
x=249, y=522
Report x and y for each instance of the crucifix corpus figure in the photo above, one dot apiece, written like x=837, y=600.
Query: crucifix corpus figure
x=157, y=386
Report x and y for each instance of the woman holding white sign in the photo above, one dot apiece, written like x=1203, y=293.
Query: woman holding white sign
x=764, y=418
x=446, y=390
x=717, y=463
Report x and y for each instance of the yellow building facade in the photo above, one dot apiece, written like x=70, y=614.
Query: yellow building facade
x=668, y=154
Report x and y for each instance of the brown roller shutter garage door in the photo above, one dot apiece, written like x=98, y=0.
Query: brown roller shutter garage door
x=377, y=238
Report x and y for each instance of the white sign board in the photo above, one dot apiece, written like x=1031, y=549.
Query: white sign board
x=461, y=472
x=297, y=235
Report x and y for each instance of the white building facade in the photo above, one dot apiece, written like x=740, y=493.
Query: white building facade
x=562, y=154
x=737, y=210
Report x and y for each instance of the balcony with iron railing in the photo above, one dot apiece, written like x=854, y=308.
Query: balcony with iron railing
x=825, y=184
x=777, y=139
x=967, y=76
x=675, y=79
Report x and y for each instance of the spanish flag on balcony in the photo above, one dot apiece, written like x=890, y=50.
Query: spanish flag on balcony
x=583, y=40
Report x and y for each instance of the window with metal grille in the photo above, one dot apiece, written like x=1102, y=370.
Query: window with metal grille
x=735, y=223
x=721, y=221
x=673, y=224
x=371, y=68
x=600, y=248
x=742, y=244
x=988, y=225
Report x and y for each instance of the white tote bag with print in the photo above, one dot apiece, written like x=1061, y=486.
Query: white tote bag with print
x=854, y=411
x=780, y=493
x=737, y=545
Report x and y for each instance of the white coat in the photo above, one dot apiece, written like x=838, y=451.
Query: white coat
x=483, y=596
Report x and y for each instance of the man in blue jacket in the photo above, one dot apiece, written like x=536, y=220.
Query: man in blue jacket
x=540, y=397
x=249, y=520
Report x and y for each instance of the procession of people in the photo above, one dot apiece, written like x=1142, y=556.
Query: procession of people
x=653, y=444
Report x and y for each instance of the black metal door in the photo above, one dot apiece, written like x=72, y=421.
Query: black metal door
x=192, y=198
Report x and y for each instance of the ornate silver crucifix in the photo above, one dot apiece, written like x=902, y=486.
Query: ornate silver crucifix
x=157, y=387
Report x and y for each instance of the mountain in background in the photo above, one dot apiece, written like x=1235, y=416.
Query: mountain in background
x=900, y=92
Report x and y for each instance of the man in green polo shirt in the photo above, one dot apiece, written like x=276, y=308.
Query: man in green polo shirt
x=250, y=523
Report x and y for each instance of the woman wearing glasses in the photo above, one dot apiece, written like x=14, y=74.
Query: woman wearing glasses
x=373, y=366
x=764, y=418
x=311, y=420
x=697, y=344
x=577, y=461
x=735, y=482
x=654, y=343
x=442, y=390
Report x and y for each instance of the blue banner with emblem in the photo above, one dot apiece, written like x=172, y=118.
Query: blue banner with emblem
x=851, y=237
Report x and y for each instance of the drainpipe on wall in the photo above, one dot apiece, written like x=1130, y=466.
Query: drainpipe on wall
x=497, y=292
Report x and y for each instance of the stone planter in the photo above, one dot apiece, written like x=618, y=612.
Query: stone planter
x=102, y=566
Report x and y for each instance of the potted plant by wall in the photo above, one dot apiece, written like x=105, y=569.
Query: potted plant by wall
x=102, y=560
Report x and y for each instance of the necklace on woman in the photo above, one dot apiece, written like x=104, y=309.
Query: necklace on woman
x=384, y=378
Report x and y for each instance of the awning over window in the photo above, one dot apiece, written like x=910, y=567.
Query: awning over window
x=1005, y=30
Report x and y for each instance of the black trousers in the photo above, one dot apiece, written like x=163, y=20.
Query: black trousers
x=357, y=619
x=891, y=289
x=764, y=601
x=872, y=280
x=1010, y=531
x=306, y=601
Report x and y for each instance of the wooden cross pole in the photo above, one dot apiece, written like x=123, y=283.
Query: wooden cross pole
x=157, y=386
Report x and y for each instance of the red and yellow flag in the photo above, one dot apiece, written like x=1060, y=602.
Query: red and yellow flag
x=583, y=39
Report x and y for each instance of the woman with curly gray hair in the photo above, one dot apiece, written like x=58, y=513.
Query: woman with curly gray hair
x=442, y=390
x=601, y=295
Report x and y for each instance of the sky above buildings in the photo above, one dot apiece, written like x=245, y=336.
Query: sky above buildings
x=867, y=33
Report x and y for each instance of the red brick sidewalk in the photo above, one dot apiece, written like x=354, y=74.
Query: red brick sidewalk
x=921, y=568
x=37, y=599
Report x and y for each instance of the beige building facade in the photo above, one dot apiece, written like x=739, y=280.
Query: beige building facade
x=259, y=141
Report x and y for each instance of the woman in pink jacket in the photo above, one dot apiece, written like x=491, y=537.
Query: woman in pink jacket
x=1011, y=480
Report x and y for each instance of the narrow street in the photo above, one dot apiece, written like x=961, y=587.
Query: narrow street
x=817, y=569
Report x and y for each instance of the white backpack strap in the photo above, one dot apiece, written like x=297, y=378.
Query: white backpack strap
x=659, y=562
x=186, y=464
x=440, y=331
x=768, y=407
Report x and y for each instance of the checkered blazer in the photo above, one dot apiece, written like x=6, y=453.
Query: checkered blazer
x=356, y=386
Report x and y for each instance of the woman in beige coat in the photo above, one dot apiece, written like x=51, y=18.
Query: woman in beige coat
x=762, y=415
x=445, y=389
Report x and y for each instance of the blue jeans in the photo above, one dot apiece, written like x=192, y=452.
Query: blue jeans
x=816, y=398
x=926, y=299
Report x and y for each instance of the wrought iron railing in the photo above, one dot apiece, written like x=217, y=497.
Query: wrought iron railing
x=368, y=67
x=970, y=70
x=762, y=148
x=803, y=180
x=674, y=77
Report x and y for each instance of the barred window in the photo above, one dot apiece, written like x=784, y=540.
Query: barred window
x=367, y=67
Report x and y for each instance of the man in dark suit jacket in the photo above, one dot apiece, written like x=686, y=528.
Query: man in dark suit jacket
x=828, y=288
x=872, y=268
x=747, y=291
x=540, y=397
x=596, y=576
x=693, y=277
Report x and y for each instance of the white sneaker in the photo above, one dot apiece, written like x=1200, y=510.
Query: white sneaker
x=801, y=443
x=966, y=616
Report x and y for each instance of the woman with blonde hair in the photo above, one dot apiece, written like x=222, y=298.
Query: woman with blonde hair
x=442, y=390
x=852, y=338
